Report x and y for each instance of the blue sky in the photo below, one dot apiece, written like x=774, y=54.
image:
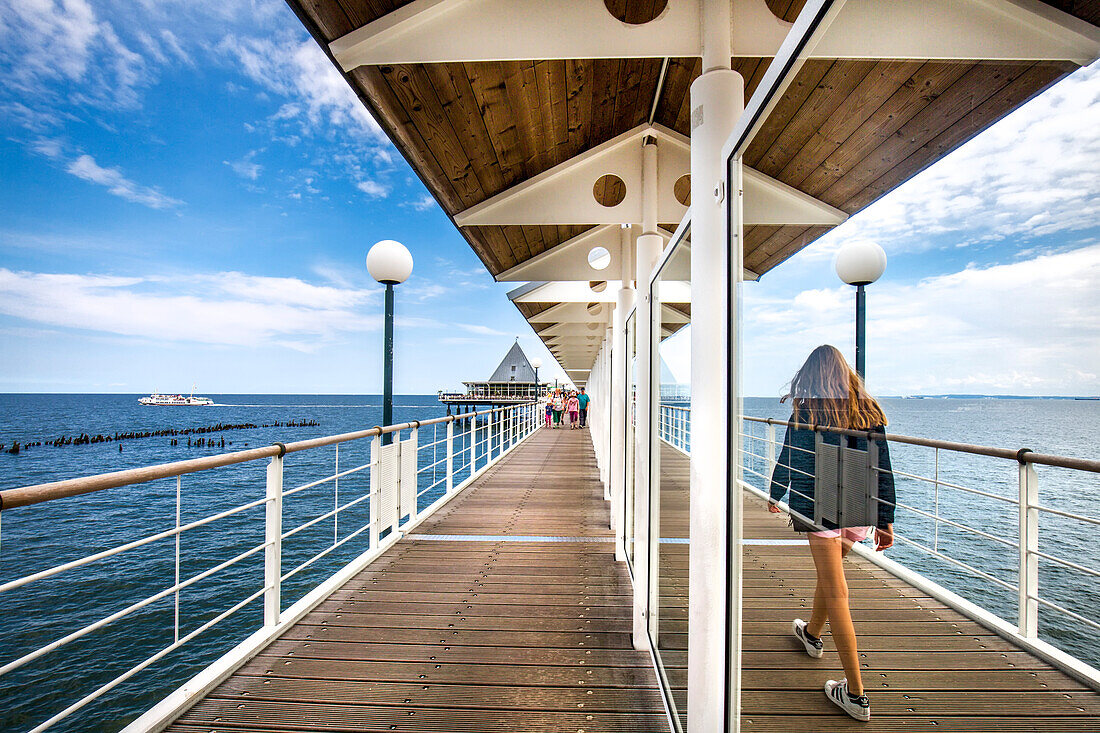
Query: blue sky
x=189, y=190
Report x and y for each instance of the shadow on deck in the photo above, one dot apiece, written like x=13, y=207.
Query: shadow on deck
x=504, y=611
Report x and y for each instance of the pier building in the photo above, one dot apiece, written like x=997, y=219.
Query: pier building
x=640, y=164
x=513, y=382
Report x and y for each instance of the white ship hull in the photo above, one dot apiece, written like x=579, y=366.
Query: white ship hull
x=160, y=400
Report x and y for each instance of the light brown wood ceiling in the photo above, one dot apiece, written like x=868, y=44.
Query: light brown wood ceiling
x=846, y=131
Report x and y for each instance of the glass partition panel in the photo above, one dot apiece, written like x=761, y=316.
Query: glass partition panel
x=669, y=458
x=628, y=484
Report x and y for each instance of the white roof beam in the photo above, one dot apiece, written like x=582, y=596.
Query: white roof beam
x=566, y=292
x=563, y=195
x=431, y=31
x=1008, y=30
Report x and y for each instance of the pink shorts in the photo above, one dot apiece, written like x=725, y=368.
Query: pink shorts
x=852, y=534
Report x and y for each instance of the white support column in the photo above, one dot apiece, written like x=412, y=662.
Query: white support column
x=607, y=387
x=717, y=101
x=618, y=397
x=646, y=491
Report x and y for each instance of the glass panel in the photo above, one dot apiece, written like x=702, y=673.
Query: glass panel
x=672, y=378
x=628, y=484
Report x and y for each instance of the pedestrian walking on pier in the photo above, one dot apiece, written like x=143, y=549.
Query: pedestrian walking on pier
x=557, y=403
x=549, y=410
x=827, y=393
x=573, y=406
x=583, y=399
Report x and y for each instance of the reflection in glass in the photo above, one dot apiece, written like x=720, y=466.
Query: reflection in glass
x=628, y=484
x=669, y=559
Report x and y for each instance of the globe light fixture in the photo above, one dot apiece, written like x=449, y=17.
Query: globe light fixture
x=536, y=363
x=860, y=263
x=389, y=263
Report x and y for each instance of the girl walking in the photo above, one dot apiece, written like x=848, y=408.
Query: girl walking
x=827, y=392
x=573, y=407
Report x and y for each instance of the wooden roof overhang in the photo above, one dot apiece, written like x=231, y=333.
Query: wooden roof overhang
x=509, y=111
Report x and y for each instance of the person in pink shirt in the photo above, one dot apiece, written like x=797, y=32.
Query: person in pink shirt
x=573, y=407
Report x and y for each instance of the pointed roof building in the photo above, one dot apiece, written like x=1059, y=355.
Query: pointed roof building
x=514, y=367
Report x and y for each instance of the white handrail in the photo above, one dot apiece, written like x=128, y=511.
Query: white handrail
x=1026, y=543
x=512, y=424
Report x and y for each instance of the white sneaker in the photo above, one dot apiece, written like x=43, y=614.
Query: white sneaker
x=857, y=707
x=814, y=647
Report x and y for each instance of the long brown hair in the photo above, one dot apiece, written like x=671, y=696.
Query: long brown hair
x=826, y=391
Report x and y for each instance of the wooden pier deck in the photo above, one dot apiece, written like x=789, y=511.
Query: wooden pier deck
x=504, y=611
x=925, y=666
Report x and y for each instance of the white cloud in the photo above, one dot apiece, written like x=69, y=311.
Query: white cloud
x=224, y=308
x=479, y=329
x=1027, y=327
x=422, y=203
x=64, y=41
x=86, y=168
x=1032, y=174
x=372, y=188
x=301, y=71
x=246, y=167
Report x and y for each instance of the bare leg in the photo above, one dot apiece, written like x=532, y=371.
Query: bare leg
x=816, y=624
x=820, y=613
x=828, y=554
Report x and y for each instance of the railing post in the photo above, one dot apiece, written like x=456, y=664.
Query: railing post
x=770, y=451
x=1029, y=545
x=414, y=436
x=336, y=500
x=450, y=456
x=273, y=538
x=375, y=501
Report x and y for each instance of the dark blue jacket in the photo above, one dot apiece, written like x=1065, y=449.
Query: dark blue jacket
x=794, y=472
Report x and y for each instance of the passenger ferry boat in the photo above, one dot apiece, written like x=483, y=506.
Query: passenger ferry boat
x=175, y=400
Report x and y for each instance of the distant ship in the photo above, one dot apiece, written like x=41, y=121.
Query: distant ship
x=175, y=400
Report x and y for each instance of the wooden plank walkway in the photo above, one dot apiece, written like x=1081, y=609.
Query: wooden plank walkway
x=476, y=622
x=925, y=666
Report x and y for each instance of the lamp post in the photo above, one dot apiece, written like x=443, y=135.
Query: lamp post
x=389, y=263
x=860, y=263
x=536, y=363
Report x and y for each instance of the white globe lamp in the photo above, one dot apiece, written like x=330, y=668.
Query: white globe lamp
x=860, y=263
x=389, y=262
x=536, y=363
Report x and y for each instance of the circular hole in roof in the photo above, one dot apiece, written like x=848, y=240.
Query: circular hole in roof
x=599, y=258
x=597, y=286
x=594, y=309
x=609, y=190
x=632, y=12
x=593, y=326
x=682, y=189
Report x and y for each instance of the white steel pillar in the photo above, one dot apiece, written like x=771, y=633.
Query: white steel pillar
x=717, y=101
x=617, y=403
x=646, y=492
x=607, y=387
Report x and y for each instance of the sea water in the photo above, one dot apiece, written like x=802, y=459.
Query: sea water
x=39, y=537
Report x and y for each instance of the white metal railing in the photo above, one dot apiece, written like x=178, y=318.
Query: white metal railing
x=402, y=476
x=761, y=446
x=674, y=426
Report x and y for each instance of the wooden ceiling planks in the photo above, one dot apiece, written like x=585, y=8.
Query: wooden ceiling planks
x=846, y=131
